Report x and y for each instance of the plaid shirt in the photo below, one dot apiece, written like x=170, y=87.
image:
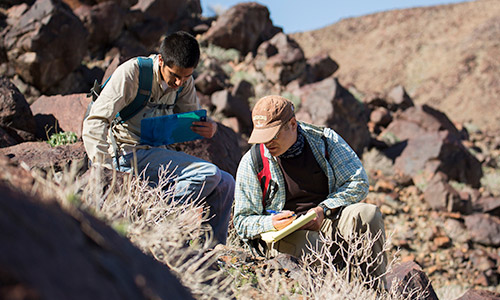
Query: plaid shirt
x=347, y=181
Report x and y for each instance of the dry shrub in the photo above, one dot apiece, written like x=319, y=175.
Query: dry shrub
x=175, y=235
x=172, y=232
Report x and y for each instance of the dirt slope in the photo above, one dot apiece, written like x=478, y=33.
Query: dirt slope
x=447, y=56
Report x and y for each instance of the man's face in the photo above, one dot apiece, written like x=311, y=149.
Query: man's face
x=174, y=76
x=284, y=139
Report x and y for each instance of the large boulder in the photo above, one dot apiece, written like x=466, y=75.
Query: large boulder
x=212, y=78
x=46, y=43
x=416, y=120
x=104, y=23
x=280, y=59
x=16, y=118
x=327, y=103
x=74, y=4
x=433, y=144
x=41, y=156
x=233, y=106
x=14, y=176
x=221, y=150
x=168, y=10
x=59, y=113
x=319, y=67
x=5, y=139
x=473, y=294
x=484, y=229
x=440, y=195
x=243, y=27
x=439, y=151
x=47, y=253
x=408, y=279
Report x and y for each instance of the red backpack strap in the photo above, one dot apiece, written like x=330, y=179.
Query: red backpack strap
x=261, y=164
x=327, y=155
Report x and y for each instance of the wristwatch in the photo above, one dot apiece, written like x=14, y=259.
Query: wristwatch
x=327, y=212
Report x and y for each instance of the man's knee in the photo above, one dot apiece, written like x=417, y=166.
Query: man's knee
x=360, y=215
x=369, y=213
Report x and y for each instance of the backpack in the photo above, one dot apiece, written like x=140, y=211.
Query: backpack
x=143, y=92
x=139, y=102
x=261, y=165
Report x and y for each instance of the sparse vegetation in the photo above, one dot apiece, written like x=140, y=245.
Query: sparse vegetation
x=175, y=235
x=62, y=138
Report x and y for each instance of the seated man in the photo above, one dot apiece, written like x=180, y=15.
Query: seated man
x=172, y=91
x=311, y=168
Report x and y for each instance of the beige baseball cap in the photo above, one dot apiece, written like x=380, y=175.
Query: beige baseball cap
x=268, y=114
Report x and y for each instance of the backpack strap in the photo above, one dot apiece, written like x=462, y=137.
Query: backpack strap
x=143, y=92
x=261, y=164
x=327, y=155
x=176, y=97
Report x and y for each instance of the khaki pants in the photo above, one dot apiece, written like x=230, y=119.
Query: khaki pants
x=354, y=219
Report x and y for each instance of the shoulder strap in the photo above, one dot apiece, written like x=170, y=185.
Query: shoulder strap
x=171, y=106
x=327, y=155
x=261, y=164
x=143, y=92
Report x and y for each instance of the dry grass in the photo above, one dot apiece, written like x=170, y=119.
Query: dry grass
x=174, y=234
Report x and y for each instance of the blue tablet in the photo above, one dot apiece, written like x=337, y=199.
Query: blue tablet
x=170, y=129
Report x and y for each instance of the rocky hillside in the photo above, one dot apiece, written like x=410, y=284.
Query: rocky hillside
x=446, y=56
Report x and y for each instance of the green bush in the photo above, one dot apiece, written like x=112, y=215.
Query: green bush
x=62, y=138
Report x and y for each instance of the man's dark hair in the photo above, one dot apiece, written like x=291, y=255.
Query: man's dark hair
x=180, y=49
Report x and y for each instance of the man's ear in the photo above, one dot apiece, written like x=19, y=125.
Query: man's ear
x=293, y=123
x=160, y=60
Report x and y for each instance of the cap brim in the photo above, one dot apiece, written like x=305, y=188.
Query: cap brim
x=261, y=136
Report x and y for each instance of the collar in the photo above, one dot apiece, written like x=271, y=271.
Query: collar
x=297, y=147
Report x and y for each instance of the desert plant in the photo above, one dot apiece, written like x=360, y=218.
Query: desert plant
x=62, y=138
x=174, y=233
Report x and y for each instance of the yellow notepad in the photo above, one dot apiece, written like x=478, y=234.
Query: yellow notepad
x=274, y=236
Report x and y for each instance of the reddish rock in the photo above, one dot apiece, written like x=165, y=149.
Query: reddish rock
x=489, y=205
x=14, y=176
x=400, y=130
x=104, y=23
x=41, y=155
x=46, y=44
x=327, y=103
x=380, y=116
x=243, y=27
x=62, y=113
x=484, y=229
x=74, y=4
x=398, y=99
x=168, y=10
x=319, y=67
x=474, y=294
x=5, y=139
x=212, y=79
x=280, y=59
x=243, y=90
x=16, y=118
x=231, y=106
x=444, y=152
x=222, y=150
x=440, y=195
x=48, y=253
x=409, y=277
x=117, y=60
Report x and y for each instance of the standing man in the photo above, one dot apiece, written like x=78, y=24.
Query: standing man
x=311, y=168
x=114, y=144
